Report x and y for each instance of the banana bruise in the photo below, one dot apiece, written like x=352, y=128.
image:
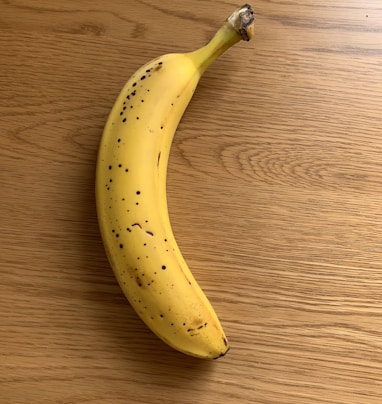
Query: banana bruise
x=131, y=195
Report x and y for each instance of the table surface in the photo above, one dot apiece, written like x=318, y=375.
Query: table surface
x=274, y=192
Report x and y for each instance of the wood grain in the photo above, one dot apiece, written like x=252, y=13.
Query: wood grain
x=274, y=192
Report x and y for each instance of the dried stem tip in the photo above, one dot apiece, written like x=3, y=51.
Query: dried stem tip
x=242, y=20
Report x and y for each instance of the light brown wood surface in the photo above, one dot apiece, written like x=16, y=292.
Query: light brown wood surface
x=275, y=195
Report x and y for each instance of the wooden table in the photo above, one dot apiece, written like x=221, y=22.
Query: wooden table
x=275, y=195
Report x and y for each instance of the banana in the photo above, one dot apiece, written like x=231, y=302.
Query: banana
x=131, y=195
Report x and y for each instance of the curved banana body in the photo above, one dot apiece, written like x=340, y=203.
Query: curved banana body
x=131, y=196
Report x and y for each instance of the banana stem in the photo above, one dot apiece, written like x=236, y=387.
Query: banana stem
x=238, y=26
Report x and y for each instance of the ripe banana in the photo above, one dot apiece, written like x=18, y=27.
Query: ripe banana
x=131, y=195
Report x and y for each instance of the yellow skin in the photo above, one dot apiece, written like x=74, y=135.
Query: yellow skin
x=132, y=205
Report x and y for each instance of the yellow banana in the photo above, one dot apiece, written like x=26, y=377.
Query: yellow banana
x=131, y=195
